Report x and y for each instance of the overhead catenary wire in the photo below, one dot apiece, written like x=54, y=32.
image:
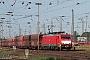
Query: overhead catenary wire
x=26, y=17
x=9, y=6
x=14, y=3
x=54, y=5
x=64, y=7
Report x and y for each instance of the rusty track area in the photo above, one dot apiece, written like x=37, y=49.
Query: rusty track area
x=68, y=55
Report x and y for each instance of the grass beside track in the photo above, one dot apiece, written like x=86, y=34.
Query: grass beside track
x=10, y=54
x=86, y=48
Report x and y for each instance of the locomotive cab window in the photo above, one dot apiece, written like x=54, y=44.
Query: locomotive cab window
x=65, y=37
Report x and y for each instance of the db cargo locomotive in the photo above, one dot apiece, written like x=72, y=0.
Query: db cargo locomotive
x=55, y=41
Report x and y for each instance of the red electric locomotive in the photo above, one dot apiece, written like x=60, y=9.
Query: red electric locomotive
x=57, y=41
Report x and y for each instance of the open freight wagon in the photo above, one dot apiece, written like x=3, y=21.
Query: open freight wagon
x=28, y=41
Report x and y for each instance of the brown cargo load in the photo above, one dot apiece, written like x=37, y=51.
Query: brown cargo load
x=34, y=36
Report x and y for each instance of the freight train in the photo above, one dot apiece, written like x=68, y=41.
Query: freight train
x=52, y=41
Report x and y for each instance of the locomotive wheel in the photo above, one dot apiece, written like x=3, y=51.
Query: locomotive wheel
x=59, y=48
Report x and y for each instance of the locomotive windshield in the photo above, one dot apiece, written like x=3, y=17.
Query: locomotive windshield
x=51, y=34
x=65, y=37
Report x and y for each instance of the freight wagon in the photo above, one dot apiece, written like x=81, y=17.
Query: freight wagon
x=29, y=41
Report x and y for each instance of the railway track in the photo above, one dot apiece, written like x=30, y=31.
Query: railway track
x=68, y=55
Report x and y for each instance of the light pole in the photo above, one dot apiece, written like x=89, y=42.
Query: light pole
x=9, y=31
x=82, y=24
x=67, y=26
x=29, y=27
x=72, y=28
x=38, y=22
x=9, y=21
x=44, y=28
x=61, y=22
x=86, y=27
x=6, y=32
x=2, y=27
x=19, y=31
x=2, y=30
x=86, y=21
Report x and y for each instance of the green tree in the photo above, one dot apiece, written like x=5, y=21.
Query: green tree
x=86, y=34
x=74, y=37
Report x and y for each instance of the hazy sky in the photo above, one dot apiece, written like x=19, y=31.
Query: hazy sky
x=50, y=10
